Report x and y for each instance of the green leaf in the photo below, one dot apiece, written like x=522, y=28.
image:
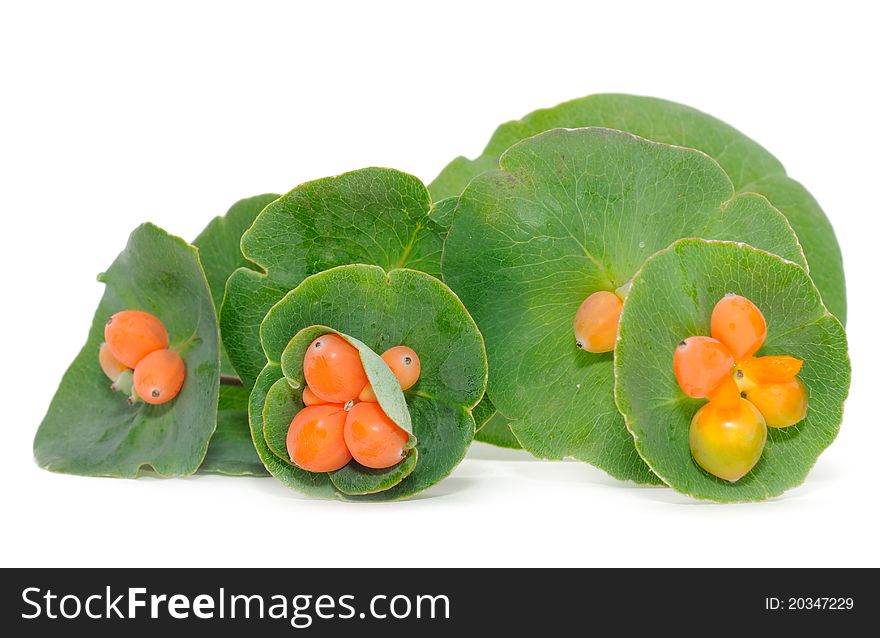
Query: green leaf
x=219, y=243
x=570, y=213
x=231, y=451
x=282, y=404
x=400, y=307
x=356, y=480
x=219, y=247
x=374, y=216
x=750, y=167
x=671, y=298
x=483, y=411
x=91, y=430
x=497, y=431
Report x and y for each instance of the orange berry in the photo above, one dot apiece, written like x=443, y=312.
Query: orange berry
x=782, y=404
x=333, y=369
x=131, y=335
x=700, y=365
x=159, y=376
x=595, y=324
x=771, y=369
x=367, y=394
x=310, y=398
x=373, y=439
x=727, y=440
x=404, y=363
x=111, y=366
x=738, y=324
x=315, y=439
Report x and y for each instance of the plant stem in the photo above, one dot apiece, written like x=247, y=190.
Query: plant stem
x=229, y=379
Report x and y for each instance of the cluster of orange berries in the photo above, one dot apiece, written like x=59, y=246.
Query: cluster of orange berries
x=341, y=419
x=746, y=393
x=136, y=358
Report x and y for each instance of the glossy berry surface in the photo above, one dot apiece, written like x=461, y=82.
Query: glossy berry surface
x=700, y=365
x=373, y=439
x=310, y=398
x=159, y=376
x=727, y=440
x=782, y=404
x=315, y=439
x=333, y=369
x=738, y=324
x=404, y=364
x=595, y=324
x=132, y=334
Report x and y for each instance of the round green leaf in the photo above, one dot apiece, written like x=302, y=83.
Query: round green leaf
x=356, y=480
x=572, y=212
x=374, y=216
x=750, y=167
x=383, y=310
x=219, y=243
x=283, y=401
x=671, y=298
x=91, y=430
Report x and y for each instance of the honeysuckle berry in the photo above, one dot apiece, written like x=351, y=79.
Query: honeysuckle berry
x=700, y=365
x=373, y=439
x=333, y=370
x=310, y=398
x=405, y=365
x=132, y=334
x=739, y=324
x=783, y=404
x=595, y=323
x=727, y=437
x=315, y=440
x=159, y=376
x=111, y=366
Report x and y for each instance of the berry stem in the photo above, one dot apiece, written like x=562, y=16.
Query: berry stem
x=230, y=379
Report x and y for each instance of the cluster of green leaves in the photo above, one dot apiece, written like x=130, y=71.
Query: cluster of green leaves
x=548, y=215
x=600, y=193
x=384, y=309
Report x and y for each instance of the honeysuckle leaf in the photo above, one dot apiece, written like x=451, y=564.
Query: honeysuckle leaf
x=671, y=298
x=750, y=167
x=379, y=309
x=496, y=431
x=231, y=451
x=219, y=243
x=374, y=216
x=572, y=212
x=91, y=430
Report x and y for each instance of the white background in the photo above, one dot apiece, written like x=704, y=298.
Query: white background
x=115, y=113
